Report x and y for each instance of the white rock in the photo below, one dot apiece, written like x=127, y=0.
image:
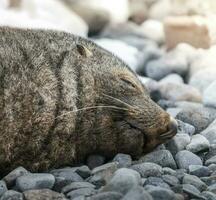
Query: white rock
x=172, y=78
x=209, y=95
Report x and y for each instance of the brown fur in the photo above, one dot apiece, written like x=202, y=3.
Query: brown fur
x=50, y=83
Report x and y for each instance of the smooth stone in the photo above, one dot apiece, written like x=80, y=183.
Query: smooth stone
x=197, y=115
x=137, y=193
x=199, y=171
x=162, y=157
x=178, y=143
x=210, y=161
x=80, y=192
x=107, y=196
x=148, y=169
x=106, y=171
x=83, y=171
x=210, y=132
x=123, y=180
x=212, y=168
x=168, y=171
x=95, y=161
x=10, y=178
x=172, y=78
x=192, y=191
x=3, y=188
x=212, y=188
x=185, y=128
x=210, y=180
x=35, y=181
x=173, y=111
x=211, y=152
x=198, y=143
x=97, y=180
x=209, y=195
x=209, y=95
x=195, y=181
x=12, y=195
x=180, y=173
x=76, y=185
x=156, y=181
x=186, y=158
x=44, y=194
x=159, y=193
x=171, y=180
x=124, y=160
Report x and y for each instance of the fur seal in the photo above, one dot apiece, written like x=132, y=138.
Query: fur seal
x=62, y=98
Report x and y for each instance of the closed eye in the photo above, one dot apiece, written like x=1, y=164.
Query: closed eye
x=128, y=82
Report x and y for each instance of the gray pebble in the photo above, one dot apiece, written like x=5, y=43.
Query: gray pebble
x=123, y=180
x=107, y=196
x=12, y=195
x=192, y=191
x=137, y=193
x=186, y=158
x=3, y=188
x=171, y=180
x=212, y=188
x=76, y=185
x=168, y=171
x=199, y=170
x=97, y=180
x=209, y=195
x=162, y=157
x=83, y=171
x=95, y=161
x=80, y=192
x=148, y=169
x=185, y=128
x=156, y=181
x=124, y=160
x=35, y=181
x=195, y=181
x=210, y=180
x=210, y=161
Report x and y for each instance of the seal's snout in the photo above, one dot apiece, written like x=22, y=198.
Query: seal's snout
x=172, y=130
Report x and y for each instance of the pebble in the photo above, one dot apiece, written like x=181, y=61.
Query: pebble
x=210, y=180
x=178, y=143
x=156, y=181
x=137, y=193
x=12, y=195
x=105, y=171
x=211, y=152
x=209, y=132
x=192, y=191
x=80, y=192
x=198, y=143
x=148, y=169
x=209, y=95
x=195, y=181
x=212, y=188
x=172, y=78
x=123, y=180
x=199, y=171
x=76, y=185
x=162, y=157
x=168, y=171
x=35, y=181
x=124, y=160
x=10, y=179
x=159, y=193
x=107, y=196
x=3, y=188
x=83, y=171
x=209, y=195
x=95, y=161
x=171, y=180
x=97, y=180
x=210, y=161
x=185, y=128
x=186, y=158
x=44, y=194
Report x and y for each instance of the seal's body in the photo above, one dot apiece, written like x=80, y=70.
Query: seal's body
x=62, y=98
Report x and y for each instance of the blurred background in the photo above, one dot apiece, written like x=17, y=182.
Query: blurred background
x=170, y=44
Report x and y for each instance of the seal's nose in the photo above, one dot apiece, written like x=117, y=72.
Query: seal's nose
x=173, y=125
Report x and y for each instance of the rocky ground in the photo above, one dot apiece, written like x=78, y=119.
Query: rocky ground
x=183, y=82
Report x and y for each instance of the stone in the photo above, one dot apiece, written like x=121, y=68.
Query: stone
x=43, y=194
x=123, y=180
x=106, y=171
x=198, y=143
x=76, y=185
x=185, y=128
x=209, y=133
x=171, y=180
x=180, y=173
x=156, y=181
x=12, y=195
x=209, y=95
x=194, y=30
x=210, y=180
x=172, y=78
x=159, y=193
x=148, y=169
x=80, y=192
x=137, y=193
x=107, y=196
x=209, y=195
x=3, y=188
x=83, y=171
x=124, y=160
x=153, y=30
x=169, y=63
x=197, y=115
x=179, y=92
x=186, y=158
x=192, y=191
x=212, y=188
x=10, y=179
x=162, y=157
x=210, y=161
x=202, y=79
x=195, y=181
x=95, y=161
x=211, y=152
x=97, y=180
x=178, y=143
x=199, y=171
x=35, y=181
x=168, y=171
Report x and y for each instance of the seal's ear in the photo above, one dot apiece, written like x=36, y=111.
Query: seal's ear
x=83, y=51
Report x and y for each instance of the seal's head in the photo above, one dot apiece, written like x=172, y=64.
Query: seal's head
x=127, y=120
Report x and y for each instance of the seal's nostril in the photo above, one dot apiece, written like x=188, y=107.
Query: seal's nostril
x=173, y=125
